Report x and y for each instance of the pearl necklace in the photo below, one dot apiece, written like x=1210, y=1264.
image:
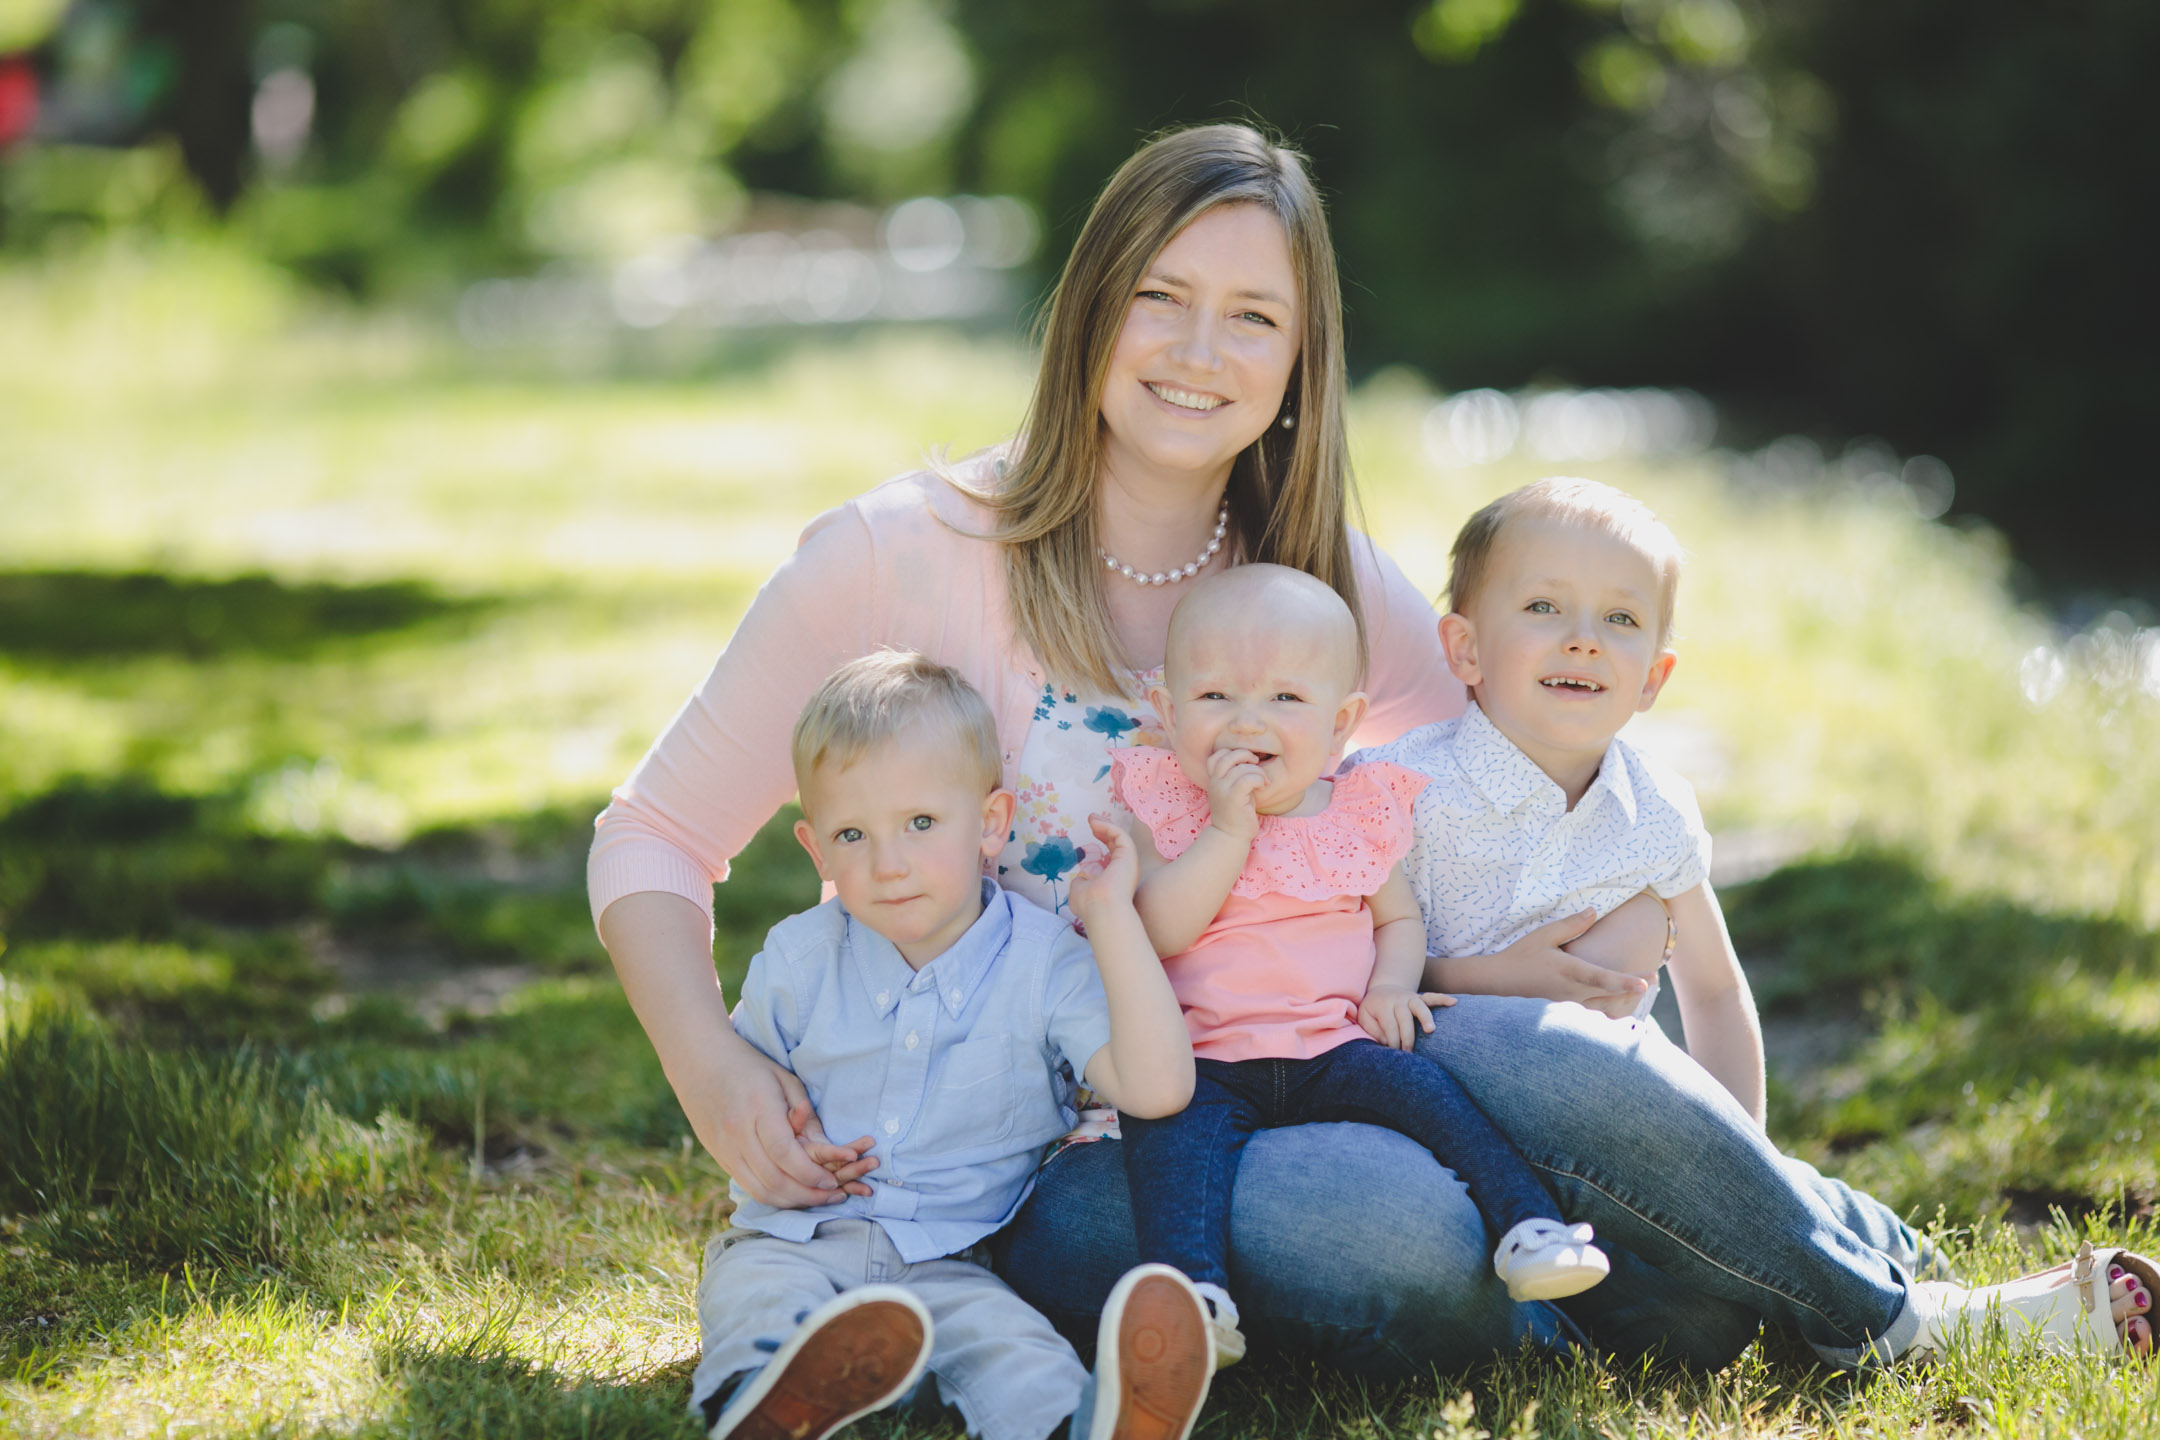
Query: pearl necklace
x=1182, y=572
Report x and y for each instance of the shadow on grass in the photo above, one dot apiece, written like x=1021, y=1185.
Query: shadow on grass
x=114, y=859
x=462, y=1394
x=1873, y=923
x=91, y=864
x=93, y=861
x=2007, y=1058
x=82, y=616
x=458, y=1394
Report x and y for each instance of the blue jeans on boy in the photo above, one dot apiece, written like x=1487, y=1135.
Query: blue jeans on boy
x=1183, y=1168
x=1351, y=1244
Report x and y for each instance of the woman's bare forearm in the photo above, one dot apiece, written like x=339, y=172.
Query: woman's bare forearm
x=662, y=949
x=735, y=1098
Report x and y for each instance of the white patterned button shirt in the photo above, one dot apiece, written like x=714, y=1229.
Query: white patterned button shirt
x=960, y=1072
x=1497, y=852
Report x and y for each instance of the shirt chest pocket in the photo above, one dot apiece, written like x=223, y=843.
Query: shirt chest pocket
x=975, y=1092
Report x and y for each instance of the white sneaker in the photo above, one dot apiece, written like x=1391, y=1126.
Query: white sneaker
x=1545, y=1260
x=858, y=1352
x=1222, y=1324
x=1153, y=1358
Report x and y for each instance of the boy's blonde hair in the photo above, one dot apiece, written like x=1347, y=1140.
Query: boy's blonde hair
x=1570, y=501
x=867, y=702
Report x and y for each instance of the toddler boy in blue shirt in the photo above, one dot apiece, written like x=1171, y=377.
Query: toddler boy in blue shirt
x=946, y=1024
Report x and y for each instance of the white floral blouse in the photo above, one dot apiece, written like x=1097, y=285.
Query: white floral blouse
x=1063, y=778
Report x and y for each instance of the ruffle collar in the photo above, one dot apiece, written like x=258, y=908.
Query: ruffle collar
x=1348, y=848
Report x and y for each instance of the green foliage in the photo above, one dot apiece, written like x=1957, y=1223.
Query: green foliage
x=1833, y=216
x=123, y=1153
x=2010, y=1058
x=79, y=616
x=225, y=989
x=504, y=890
x=1875, y=922
x=126, y=859
x=771, y=880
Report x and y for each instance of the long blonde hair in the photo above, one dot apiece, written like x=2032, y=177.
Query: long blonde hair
x=1290, y=490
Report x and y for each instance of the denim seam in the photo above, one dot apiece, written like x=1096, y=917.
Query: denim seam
x=1342, y=1331
x=1674, y=1235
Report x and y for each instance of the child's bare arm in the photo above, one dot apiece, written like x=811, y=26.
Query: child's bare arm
x=1717, y=1010
x=1177, y=898
x=1630, y=938
x=1398, y=933
x=1147, y=1068
x=1393, y=1010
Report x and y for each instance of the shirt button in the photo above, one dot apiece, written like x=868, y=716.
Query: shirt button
x=884, y=997
x=956, y=997
x=892, y=1127
x=913, y=1039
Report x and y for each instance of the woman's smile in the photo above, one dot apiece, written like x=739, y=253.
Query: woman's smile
x=1183, y=399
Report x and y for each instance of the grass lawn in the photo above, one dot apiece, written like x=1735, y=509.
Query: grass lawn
x=320, y=645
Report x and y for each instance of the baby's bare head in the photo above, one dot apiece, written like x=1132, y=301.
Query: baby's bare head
x=1266, y=607
x=1564, y=500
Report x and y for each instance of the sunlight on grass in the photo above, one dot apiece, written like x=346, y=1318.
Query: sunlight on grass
x=1846, y=670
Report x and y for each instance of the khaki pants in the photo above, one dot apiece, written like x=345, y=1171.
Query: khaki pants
x=994, y=1355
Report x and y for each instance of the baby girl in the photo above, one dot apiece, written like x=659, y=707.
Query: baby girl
x=1291, y=936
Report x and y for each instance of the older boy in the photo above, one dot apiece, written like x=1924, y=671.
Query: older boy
x=1561, y=598
x=946, y=1024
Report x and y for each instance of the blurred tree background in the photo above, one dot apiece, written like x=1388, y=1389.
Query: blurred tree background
x=1923, y=220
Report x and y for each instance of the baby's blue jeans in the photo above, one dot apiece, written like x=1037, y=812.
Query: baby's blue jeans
x=1183, y=1168
x=1352, y=1244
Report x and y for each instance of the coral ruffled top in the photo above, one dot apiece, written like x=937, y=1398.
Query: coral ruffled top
x=1279, y=973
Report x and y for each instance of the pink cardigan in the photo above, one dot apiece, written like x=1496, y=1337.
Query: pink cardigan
x=882, y=570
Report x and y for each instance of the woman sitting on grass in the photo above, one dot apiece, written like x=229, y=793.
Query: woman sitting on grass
x=1187, y=417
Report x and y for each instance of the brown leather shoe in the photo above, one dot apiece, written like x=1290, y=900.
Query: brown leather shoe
x=1154, y=1358
x=858, y=1352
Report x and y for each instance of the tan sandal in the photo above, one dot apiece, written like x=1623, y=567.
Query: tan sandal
x=2065, y=1308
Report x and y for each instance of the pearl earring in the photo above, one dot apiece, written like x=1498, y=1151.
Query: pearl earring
x=1289, y=421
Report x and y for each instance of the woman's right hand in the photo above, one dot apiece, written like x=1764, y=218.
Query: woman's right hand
x=763, y=1132
x=740, y=1103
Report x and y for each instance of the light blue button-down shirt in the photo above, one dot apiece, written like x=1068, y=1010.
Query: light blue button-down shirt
x=960, y=1072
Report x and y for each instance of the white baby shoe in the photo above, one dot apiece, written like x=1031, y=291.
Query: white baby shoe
x=1545, y=1260
x=1222, y=1324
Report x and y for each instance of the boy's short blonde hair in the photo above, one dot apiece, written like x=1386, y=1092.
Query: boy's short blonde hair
x=867, y=702
x=1571, y=502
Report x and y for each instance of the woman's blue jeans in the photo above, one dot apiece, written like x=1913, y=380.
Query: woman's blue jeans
x=1182, y=1169
x=1353, y=1244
